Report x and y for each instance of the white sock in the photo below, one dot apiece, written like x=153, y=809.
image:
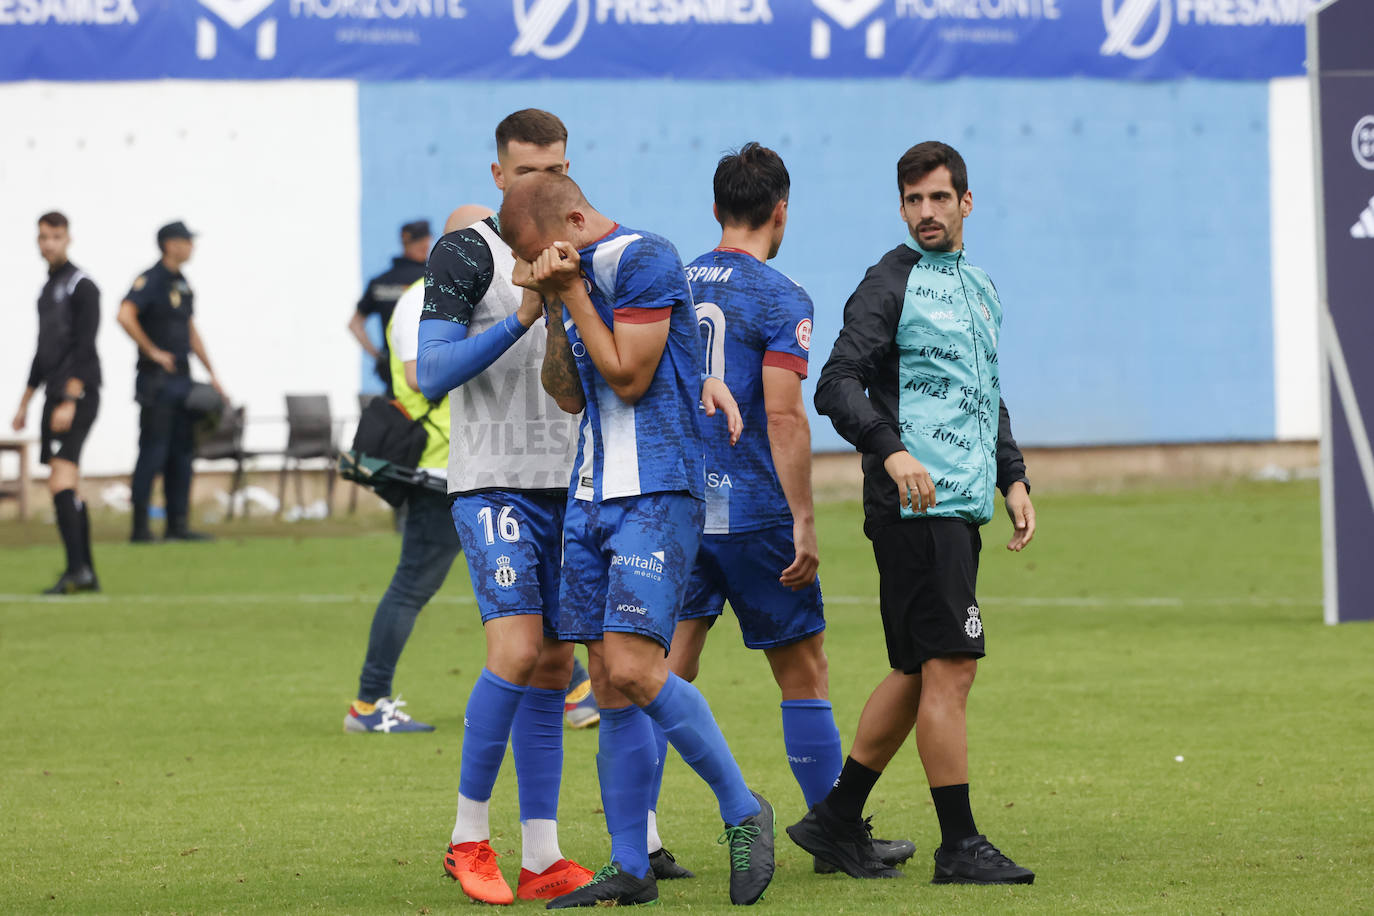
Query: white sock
x=539, y=844
x=655, y=842
x=472, y=825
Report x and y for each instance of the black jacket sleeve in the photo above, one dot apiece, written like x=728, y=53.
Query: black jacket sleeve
x=1011, y=464
x=82, y=361
x=35, y=376
x=866, y=339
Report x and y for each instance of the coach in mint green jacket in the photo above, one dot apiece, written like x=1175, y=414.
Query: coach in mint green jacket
x=913, y=383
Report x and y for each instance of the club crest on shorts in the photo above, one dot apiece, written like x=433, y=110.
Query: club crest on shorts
x=505, y=574
x=974, y=625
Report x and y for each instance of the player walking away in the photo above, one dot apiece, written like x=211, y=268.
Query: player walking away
x=759, y=548
x=634, y=516
x=384, y=290
x=158, y=314
x=509, y=458
x=67, y=367
x=913, y=383
x=429, y=544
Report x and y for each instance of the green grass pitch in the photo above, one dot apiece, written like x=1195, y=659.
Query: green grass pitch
x=175, y=745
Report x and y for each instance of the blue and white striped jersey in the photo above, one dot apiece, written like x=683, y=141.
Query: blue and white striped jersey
x=654, y=445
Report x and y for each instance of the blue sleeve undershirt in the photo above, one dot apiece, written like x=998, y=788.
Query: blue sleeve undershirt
x=449, y=358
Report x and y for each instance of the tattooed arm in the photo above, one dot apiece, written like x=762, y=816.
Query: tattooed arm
x=559, y=372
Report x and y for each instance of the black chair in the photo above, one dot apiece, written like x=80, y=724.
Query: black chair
x=224, y=442
x=309, y=435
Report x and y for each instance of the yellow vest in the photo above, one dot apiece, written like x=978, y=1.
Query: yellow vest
x=436, y=423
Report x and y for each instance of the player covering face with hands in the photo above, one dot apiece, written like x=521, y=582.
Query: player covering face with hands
x=625, y=350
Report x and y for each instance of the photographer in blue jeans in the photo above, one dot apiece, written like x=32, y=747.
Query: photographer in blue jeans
x=429, y=543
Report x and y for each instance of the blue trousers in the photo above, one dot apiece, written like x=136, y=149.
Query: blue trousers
x=165, y=446
x=429, y=545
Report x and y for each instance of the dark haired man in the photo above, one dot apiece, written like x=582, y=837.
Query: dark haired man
x=509, y=457
x=759, y=547
x=913, y=383
x=625, y=348
x=157, y=314
x=67, y=366
x=383, y=290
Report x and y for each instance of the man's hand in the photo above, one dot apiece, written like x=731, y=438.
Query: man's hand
x=21, y=418
x=802, y=572
x=914, y=486
x=557, y=269
x=62, y=416
x=1022, y=515
x=523, y=274
x=531, y=307
x=164, y=359
x=716, y=396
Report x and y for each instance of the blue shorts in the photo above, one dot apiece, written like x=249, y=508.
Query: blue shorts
x=626, y=563
x=514, y=545
x=743, y=569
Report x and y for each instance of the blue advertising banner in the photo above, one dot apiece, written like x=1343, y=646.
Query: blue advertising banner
x=687, y=39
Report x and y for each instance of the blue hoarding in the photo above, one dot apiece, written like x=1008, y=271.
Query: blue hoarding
x=688, y=39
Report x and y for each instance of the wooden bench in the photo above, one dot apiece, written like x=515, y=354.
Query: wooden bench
x=17, y=489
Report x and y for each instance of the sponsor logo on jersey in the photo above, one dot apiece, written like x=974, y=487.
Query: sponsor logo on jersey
x=943, y=316
x=804, y=334
x=973, y=626
x=650, y=567
x=505, y=574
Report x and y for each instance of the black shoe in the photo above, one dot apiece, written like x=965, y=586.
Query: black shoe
x=976, y=861
x=186, y=534
x=889, y=852
x=83, y=580
x=751, y=854
x=610, y=887
x=141, y=536
x=846, y=845
x=666, y=868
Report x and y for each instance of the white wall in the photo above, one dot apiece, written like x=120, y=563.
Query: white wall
x=1293, y=242
x=267, y=172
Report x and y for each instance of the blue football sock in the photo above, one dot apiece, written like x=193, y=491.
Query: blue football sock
x=536, y=739
x=661, y=755
x=486, y=728
x=813, y=746
x=682, y=713
x=624, y=766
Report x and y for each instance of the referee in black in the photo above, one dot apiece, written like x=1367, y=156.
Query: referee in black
x=158, y=314
x=67, y=367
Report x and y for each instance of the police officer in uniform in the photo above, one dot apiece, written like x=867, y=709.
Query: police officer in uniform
x=158, y=314
x=68, y=368
x=384, y=289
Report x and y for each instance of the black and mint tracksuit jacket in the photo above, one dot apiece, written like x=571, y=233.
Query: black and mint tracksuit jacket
x=915, y=368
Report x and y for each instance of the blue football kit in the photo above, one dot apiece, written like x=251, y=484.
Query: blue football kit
x=750, y=316
x=637, y=484
x=632, y=530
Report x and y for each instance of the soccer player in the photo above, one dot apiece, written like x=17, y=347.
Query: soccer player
x=509, y=456
x=759, y=549
x=913, y=383
x=66, y=364
x=626, y=349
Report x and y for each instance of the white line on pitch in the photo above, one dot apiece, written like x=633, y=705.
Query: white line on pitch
x=1073, y=601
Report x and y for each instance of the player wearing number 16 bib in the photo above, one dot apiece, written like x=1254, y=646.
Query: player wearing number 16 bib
x=510, y=449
